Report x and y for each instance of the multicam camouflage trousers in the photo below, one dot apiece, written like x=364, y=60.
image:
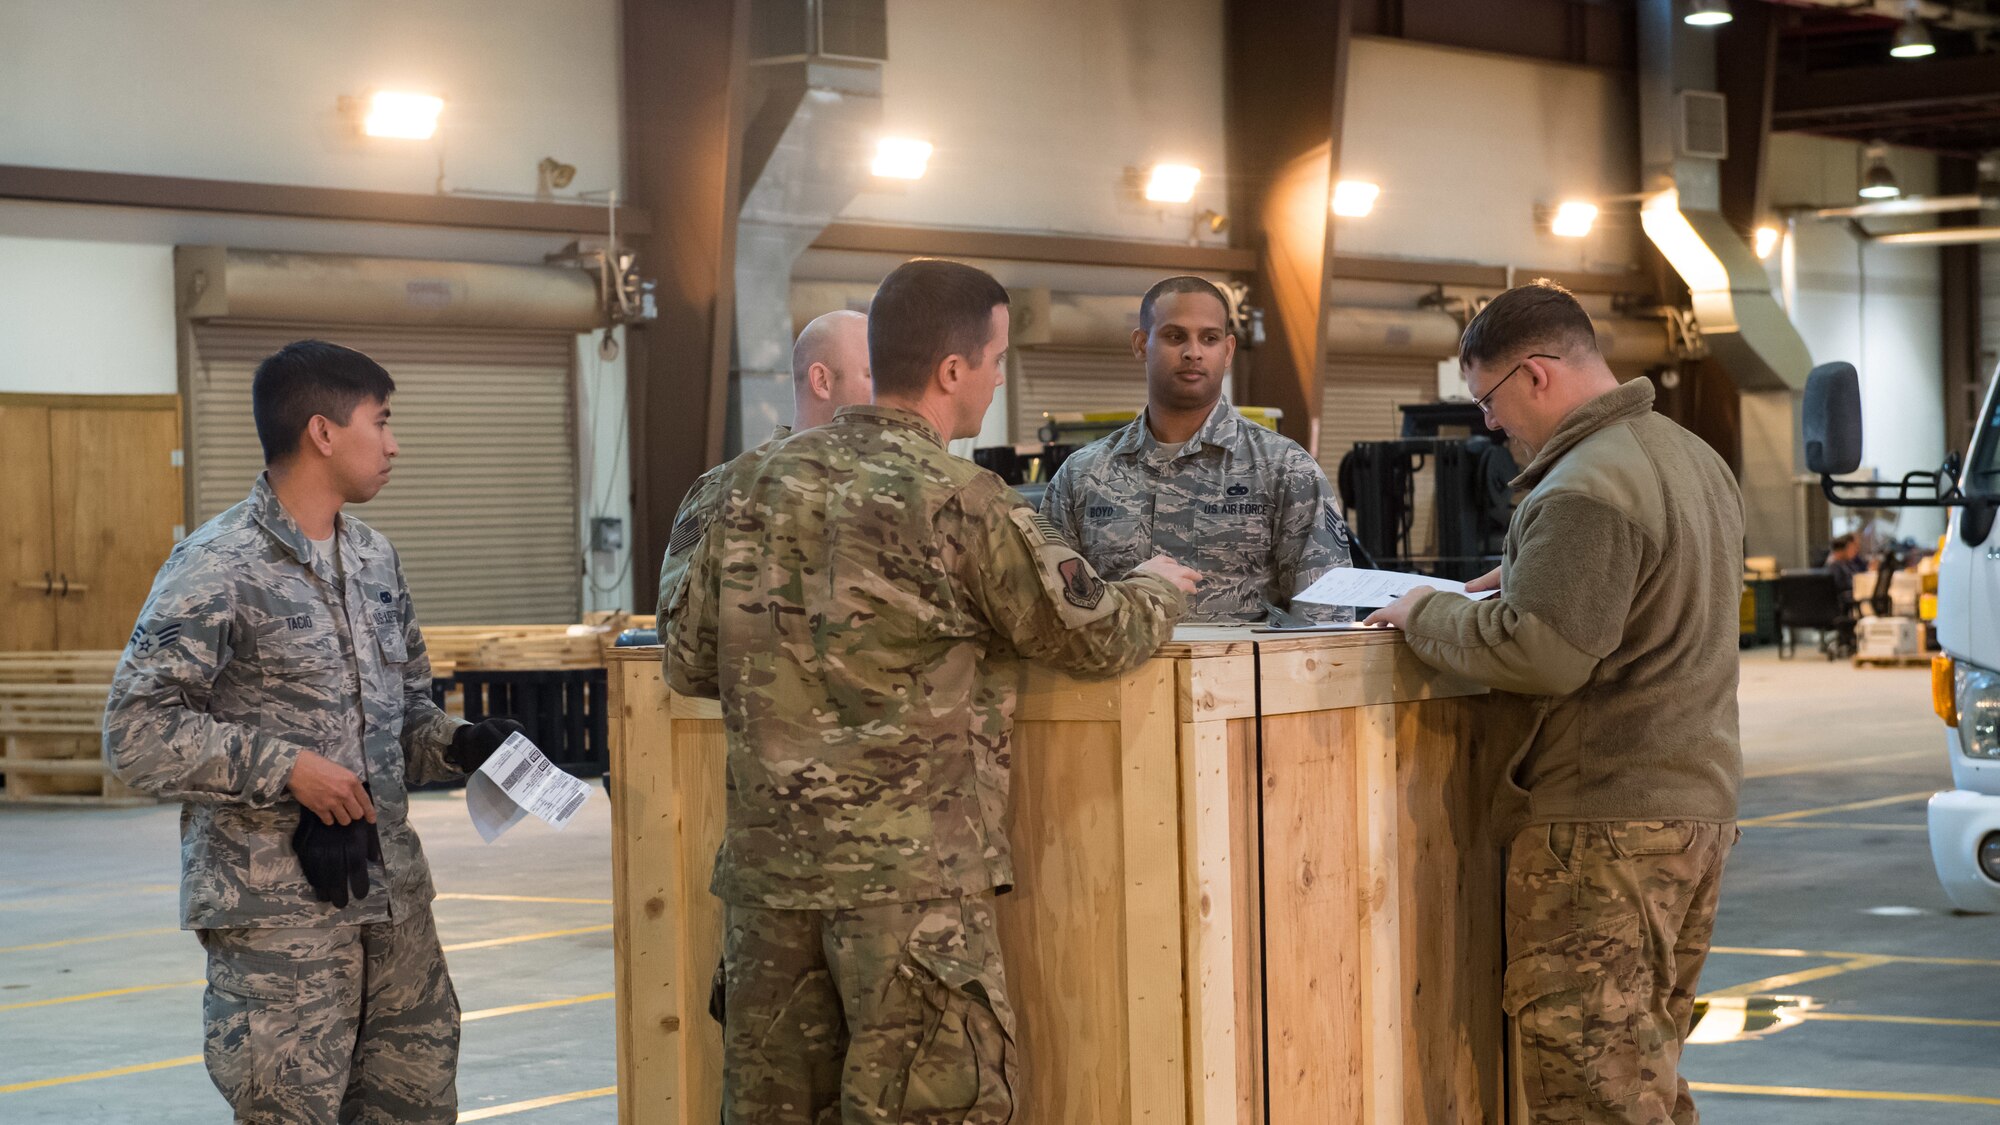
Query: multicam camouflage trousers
x=339, y=1024
x=883, y=1014
x=1608, y=925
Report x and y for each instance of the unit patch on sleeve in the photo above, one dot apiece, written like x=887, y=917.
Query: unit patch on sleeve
x=1082, y=587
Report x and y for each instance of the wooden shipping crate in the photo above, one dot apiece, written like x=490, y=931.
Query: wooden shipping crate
x=1249, y=874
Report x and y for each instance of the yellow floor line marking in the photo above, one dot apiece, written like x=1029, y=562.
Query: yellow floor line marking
x=1814, y=1092
x=190, y=1060
x=489, y=1013
x=1793, y=980
x=114, y=1072
x=1851, y=825
x=1923, y=1021
x=491, y=942
x=88, y=940
x=1828, y=954
x=512, y=1108
x=462, y=897
x=99, y=995
x=1851, y=806
x=1840, y=764
x=128, y=889
x=459, y=947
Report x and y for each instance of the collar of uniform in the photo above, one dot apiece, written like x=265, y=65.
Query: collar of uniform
x=888, y=416
x=780, y=433
x=273, y=517
x=1215, y=430
x=1631, y=400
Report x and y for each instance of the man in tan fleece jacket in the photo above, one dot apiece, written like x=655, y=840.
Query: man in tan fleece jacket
x=1612, y=650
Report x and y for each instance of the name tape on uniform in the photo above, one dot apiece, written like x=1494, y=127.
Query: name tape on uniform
x=519, y=780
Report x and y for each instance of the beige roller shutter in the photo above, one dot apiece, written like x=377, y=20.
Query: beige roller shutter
x=1360, y=401
x=1064, y=380
x=483, y=504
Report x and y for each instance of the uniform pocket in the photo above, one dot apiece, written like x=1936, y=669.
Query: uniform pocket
x=251, y=1028
x=964, y=1066
x=395, y=646
x=1650, y=837
x=1579, y=1002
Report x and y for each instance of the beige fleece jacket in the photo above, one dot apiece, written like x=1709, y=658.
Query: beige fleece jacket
x=1614, y=634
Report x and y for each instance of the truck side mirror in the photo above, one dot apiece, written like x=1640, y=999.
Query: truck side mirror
x=1832, y=419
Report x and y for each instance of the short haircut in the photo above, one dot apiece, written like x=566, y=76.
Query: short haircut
x=1843, y=542
x=1185, y=283
x=1538, y=317
x=815, y=343
x=306, y=378
x=926, y=310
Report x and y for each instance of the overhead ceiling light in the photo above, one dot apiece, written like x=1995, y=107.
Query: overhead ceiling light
x=901, y=158
x=1878, y=182
x=1353, y=199
x=1767, y=241
x=410, y=117
x=1573, y=219
x=1913, y=39
x=1172, y=183
x=1708, y=13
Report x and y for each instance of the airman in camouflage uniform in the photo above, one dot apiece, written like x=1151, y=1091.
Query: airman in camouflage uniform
x=861, y=606
x=253, y=649
x=1245, y=506
x=829, y=370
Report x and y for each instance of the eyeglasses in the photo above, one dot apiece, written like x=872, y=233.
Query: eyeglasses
x=1482, y=400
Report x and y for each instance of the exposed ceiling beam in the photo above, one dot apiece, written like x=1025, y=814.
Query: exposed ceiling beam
x=239, y=197
x=1905, y=86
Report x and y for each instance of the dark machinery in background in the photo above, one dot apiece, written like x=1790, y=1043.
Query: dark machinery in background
x=1471, y=498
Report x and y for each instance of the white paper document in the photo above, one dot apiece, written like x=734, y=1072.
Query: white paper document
x=516, y=781
x=1373, y=589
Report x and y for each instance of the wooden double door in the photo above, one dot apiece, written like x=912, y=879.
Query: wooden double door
x=90, y=506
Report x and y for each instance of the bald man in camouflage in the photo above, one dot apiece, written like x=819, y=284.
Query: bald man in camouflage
x=1193, y=479
x=277, y=686
x=861, y=605
x=829, y=370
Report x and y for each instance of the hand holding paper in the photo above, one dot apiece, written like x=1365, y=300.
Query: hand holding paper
x=516, y=780
x=1374, y=589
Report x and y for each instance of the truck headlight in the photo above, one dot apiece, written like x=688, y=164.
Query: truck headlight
x=1978, y=712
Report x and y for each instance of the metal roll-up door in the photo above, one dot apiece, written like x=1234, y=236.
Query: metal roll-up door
x=1059, y=380
x=483, y=504
x=1361, y=400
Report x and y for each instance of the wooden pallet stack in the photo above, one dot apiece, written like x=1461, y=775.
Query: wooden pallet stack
x=52, y=729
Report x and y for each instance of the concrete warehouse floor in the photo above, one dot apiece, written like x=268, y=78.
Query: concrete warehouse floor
x=99, y=995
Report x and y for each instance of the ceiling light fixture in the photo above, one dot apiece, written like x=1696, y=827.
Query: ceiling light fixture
x=409, y=117
x=1573, y=219
x=1877, y=181
x=901, y=158
x=1172, y=183
x=1708, y=13
x=1353, y=199
x=1913, y=39
x=1767, y=241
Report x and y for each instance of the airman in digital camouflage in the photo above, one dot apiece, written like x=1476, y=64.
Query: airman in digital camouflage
x=277, y=685
x=829, y=371
x=1193, y=479
x=861, y=605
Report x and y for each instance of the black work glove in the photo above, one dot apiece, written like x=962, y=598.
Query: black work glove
x=335, y=857
x=472, y=745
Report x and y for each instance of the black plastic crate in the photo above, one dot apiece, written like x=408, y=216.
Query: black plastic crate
x=563, y=709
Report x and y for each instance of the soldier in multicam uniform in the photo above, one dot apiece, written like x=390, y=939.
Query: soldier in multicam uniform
x=861, y=605
x=277, y=686
x=829, y=370
x=1195, y=480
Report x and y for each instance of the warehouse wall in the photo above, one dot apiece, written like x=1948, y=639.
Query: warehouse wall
x=1466, y=145
x=1877, y=307
x=997, y=88
x=247, y=89
x=86, y=317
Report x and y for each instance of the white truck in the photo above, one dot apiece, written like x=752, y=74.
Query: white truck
x=1965, y=677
